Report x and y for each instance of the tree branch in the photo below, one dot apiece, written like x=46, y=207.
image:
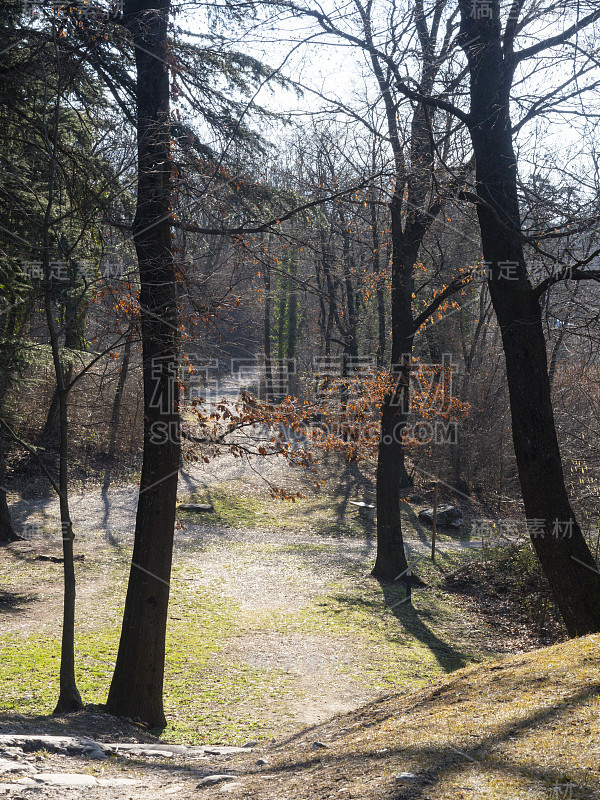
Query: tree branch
x=560, y=38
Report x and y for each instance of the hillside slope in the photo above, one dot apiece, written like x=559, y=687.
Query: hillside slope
x=524, y=727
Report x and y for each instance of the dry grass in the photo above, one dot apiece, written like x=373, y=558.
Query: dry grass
x=524, y=727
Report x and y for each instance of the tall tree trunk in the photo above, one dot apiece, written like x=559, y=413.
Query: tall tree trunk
x=116, y=409
x=7, y=532
x=381, y=334
x=69, y=699
x=562, y=550
x=136, y=689
x=267, y=338
x=406, y=242
x=391, y=472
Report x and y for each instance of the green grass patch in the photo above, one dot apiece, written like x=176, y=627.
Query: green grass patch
x=231, y=509
x=208, y=699
x=394, y=648
x=321, y=514
x=213, y=697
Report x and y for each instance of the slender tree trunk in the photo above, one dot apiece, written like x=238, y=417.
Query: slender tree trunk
x=75, y=313
x=9, y=354
x=267, y=338
x=381, y=334
x=281, y=320
x=51, y=430
x=332, y=303
x=69, y=699
x=7, y=532
x=116, y=409
x=391, y=470
x=351, y=326
x=136, y=689
x=288, y=369
x=561, y=547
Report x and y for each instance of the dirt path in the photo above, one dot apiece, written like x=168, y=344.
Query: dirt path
x=282, y=623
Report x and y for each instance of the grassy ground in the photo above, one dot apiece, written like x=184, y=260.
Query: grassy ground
x=274, y=620
x=526, y=727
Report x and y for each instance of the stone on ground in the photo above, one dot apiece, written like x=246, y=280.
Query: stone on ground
x=447, y=516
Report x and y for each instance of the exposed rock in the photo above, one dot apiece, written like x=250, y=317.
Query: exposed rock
x=96, y=755
x=151, y=748
x=73, y=780
x=146, y=752
x=11, y=767
x=447, y=516
x=11, y=752
x=59, y=779
x=20, y=747
x=365, y=510
x=66, y=745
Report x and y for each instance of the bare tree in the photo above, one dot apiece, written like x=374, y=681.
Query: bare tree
x=416, y=138
x=493, y=61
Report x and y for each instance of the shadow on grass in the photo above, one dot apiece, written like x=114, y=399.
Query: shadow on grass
x=342, y=528
x=12, y=603
x=433, y=764
x=411, y=620
x=92, y=721
x=351, y=484
x=412, y=519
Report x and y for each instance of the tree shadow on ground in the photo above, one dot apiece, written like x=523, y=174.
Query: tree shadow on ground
x=191, y=484
x=411, y=620
x=13, y=602
x=108, y=532
x=413, y=520
x=353, y=483
x=432, y=764
x=93, y=721
x=22, y=509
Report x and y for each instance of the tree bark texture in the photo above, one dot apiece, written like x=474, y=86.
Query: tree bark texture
x=136, y=689
x=561, y=547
